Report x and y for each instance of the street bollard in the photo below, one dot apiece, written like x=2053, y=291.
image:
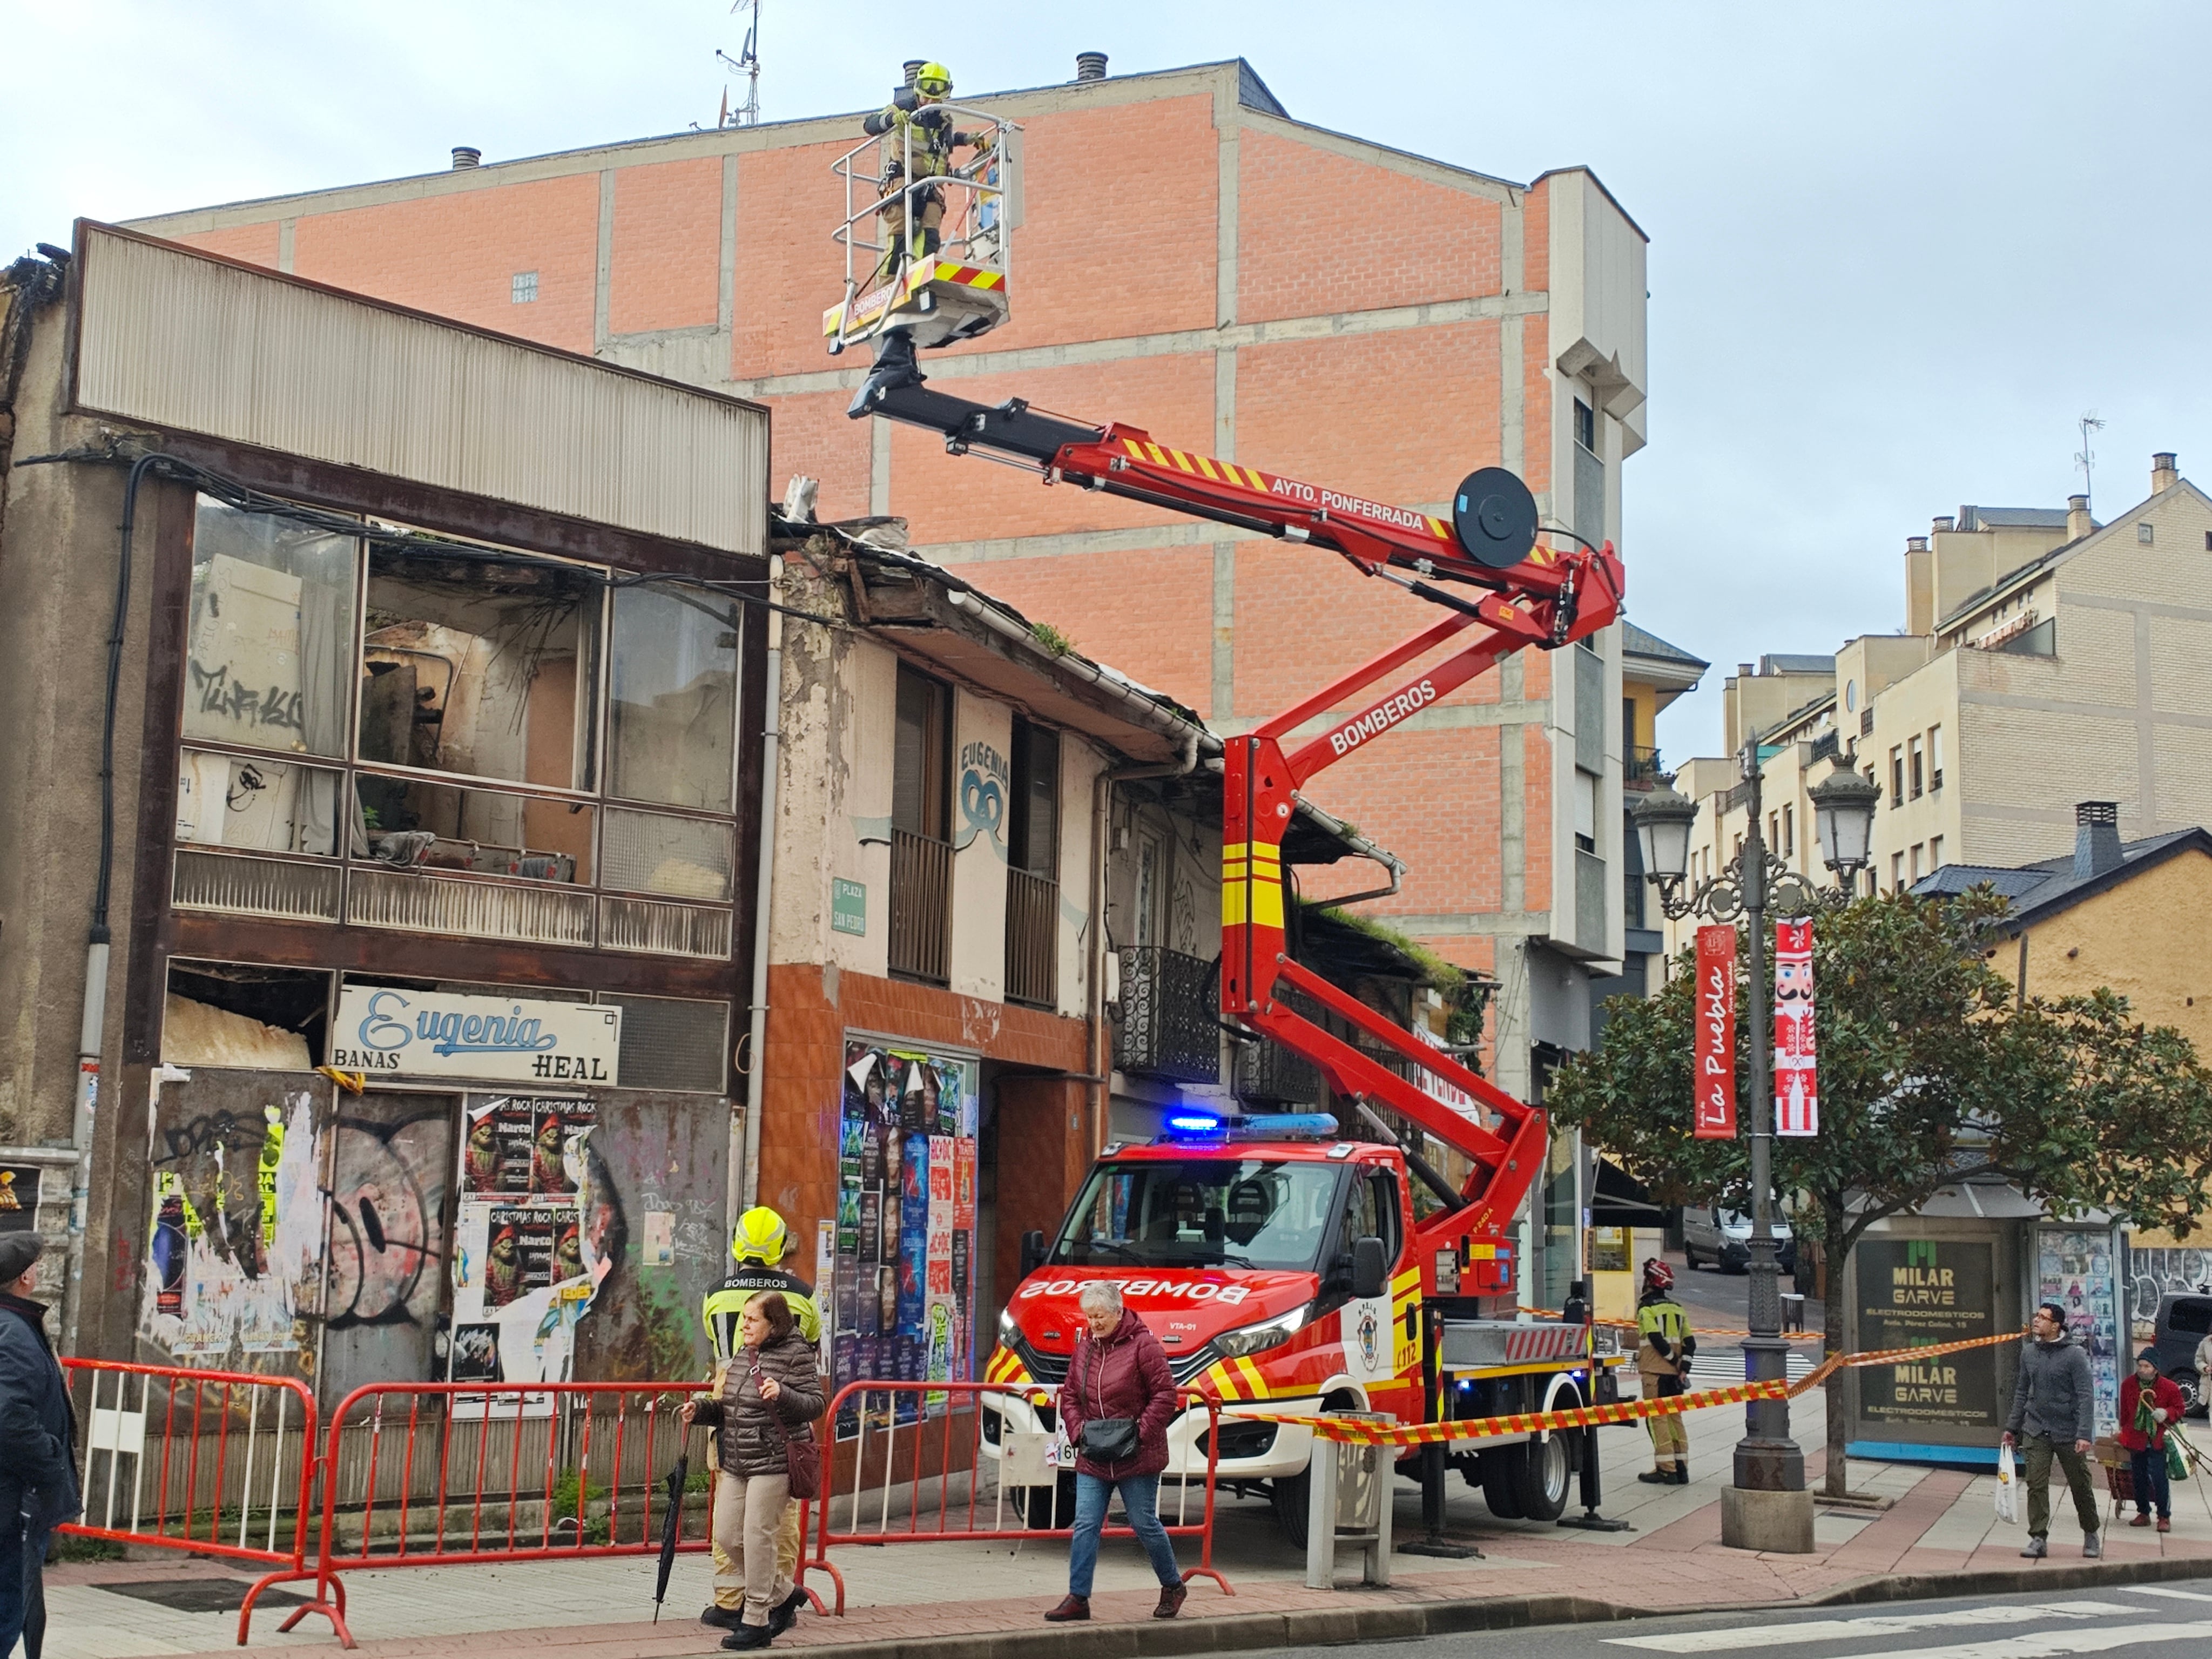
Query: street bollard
x=1363, y=1490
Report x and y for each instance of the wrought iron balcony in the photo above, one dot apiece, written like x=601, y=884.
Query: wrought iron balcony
x=1640, y=770
x=1170, y=1021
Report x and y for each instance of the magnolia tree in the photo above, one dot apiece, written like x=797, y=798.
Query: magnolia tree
x=1931, y=1072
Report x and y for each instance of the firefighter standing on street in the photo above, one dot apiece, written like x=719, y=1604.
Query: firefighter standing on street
x=757, y=1244
x=921, y=130
x=1663, y=1358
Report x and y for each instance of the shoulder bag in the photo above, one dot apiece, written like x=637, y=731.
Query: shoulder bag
x=802, y=1459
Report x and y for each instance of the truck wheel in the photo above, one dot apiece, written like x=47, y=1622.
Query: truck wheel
x=1290, y=1494
x=1501, y=1486
x=1541, y=1474
x=1052, y=1506
x=2192, y=1393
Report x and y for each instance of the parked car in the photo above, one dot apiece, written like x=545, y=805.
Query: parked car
x=1723, y=1239
x=2184, y=1319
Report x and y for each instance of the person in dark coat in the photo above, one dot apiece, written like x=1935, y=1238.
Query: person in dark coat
x=1120, y=1370
x=2053, y=1416
x=2149, y=1405
x=37, y=1448
x=771, y=1393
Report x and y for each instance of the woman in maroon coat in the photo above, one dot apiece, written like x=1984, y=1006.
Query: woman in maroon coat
x=1120, y=1372
x=2149, y=1404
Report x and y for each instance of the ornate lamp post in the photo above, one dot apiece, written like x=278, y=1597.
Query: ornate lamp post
x=1768, y=1507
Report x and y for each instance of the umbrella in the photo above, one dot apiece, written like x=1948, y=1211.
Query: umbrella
x=672, y=1524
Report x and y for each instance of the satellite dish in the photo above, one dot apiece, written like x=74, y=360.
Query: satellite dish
x=1495, y=518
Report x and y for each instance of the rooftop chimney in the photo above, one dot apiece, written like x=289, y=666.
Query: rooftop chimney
x=913, y=67
x=1743, y=671
x=1944, y=524
x=1090, y=66
x=2164, y=474
x=2078, y=521
x=1915, y=543
x=465, y=156
x=2096, y=838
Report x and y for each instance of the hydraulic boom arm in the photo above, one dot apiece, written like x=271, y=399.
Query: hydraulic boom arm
x=1524, y=594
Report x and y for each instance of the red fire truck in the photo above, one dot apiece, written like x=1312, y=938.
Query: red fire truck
x=1289, y=1264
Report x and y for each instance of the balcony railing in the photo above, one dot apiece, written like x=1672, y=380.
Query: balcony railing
x=1032, y=939
x=921, y=905
x=1267, y=1072
x=1169, y=1020
x=1641, y=769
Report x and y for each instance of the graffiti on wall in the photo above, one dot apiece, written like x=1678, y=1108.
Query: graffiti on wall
x=387, y=1216
x=2153, y=1273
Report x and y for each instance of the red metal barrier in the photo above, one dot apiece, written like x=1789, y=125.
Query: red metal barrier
x=497, y=1472
x=221, y=1444
x=944, y=1427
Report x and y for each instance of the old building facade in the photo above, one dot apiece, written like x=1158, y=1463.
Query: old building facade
x=1434, y=319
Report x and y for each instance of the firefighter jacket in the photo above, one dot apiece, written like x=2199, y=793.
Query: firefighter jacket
x=1666, y=1343
x=934, y=135
x=727, y=1300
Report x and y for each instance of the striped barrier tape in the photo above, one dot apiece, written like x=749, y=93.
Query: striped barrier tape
x=1625, y=1410
x=1695, y=1330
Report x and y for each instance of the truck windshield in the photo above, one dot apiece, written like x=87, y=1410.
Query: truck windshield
x=1254, y=1212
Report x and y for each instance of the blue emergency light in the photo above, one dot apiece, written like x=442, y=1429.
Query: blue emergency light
x=1270, y=1126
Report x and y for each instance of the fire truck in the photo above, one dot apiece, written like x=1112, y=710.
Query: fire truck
x=1290, y=1264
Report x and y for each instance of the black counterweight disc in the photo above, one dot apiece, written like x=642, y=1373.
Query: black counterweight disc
x=1495, y=518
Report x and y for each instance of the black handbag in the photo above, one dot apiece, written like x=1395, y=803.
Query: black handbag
x=1109, y=1439
x=1106, y=1439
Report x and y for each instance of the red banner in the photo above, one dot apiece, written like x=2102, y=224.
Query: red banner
x=1796, y=1086
x=1714, y=1083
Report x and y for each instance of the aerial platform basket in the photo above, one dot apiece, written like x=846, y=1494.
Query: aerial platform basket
x=936, y=290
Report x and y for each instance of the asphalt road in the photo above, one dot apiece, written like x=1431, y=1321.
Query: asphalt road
x=2156, y=1621
x=1716, y=1298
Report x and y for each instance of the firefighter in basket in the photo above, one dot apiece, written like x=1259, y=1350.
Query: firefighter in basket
x=1663, y=1351
x=919, y=130
x=757, y=1244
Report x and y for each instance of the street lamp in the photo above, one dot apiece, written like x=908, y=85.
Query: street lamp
x=1768, y=1507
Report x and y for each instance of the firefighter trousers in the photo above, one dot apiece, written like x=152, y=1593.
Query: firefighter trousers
x=1670, y=1436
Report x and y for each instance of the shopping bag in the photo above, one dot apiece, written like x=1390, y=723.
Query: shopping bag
x=2177, y=1456
x=2007, y=1488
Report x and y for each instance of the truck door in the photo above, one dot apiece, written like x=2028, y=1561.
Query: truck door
x=1385, y=1356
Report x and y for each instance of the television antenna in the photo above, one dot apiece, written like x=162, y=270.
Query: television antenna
x=2086, y=457
x=747, y=63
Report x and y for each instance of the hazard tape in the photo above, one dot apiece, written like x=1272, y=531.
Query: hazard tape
x=1356, y=1432
x=1695, y=1330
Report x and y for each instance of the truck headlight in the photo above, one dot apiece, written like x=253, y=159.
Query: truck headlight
x=1007, y=1328
x=1257, y=1339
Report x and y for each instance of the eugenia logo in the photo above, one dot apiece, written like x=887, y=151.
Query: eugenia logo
x=384, y=1031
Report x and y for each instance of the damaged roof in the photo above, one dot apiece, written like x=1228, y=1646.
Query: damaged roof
x=949, y=625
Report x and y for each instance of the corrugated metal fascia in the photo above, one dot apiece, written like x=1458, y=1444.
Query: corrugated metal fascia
x=186, y=341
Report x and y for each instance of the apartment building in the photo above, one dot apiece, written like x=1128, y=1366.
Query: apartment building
x=2047, y=661
x=1171, y=269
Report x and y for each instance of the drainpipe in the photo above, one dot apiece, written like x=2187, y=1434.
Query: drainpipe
x=744, y=1163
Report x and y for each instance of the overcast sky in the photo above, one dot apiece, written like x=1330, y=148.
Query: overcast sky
x=1896, y=248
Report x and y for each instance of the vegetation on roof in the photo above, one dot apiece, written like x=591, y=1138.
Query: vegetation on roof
x=1052, y=639
x=1425, y=967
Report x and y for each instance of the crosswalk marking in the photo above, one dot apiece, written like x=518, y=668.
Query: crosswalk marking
x=2161, y=1589
x=1719, y=1370
x=1880, y=1624
x=2058, y=1644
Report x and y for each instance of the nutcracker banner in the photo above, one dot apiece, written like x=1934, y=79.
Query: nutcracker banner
x=1714, y=1083
x=1796, y=1088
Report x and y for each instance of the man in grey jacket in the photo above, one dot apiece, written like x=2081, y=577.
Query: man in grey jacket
x=2052, y=1411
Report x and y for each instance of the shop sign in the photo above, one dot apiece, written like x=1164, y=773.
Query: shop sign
x=392, y=1033
x=1921, y=1293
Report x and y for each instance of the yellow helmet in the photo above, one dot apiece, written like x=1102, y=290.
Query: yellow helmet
x=760, y=1236
x=933, y=80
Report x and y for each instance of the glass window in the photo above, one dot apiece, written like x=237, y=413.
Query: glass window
x=271, y=632
x=1033, y=841
x=671, y=725
x=417, y=824
x=1249, y=1212
x=921, y=754
x=654, y=852
x=243, y=801
x=480, y=667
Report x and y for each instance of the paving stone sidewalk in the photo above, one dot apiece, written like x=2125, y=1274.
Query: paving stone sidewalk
x=1941, y=1522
